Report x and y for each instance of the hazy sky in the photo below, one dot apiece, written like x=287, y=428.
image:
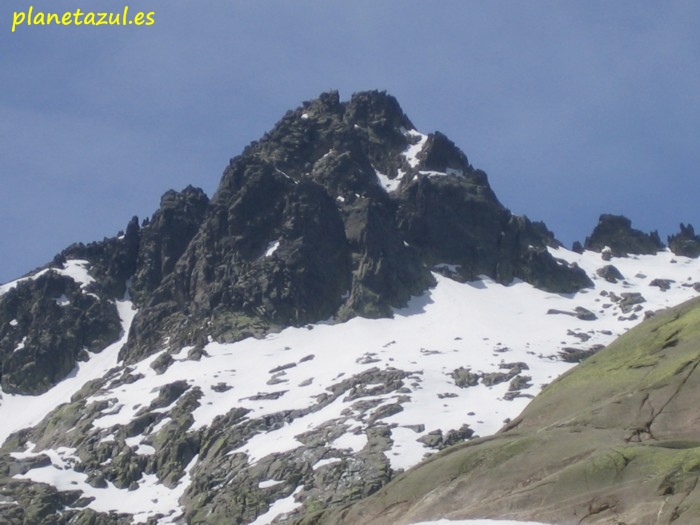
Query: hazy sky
x=573, y=108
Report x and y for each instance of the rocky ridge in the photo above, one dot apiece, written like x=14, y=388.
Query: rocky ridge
x=614, y=235
x=315, y=416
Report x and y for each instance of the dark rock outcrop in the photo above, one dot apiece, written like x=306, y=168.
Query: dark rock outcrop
x=112, y=260
x=662, y=284
x=46, y=325
x=686, y=242
x=610, y=273
x=165, y=237
x=616, y=233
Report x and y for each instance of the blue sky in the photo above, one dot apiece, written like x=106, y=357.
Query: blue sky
x=572, y=108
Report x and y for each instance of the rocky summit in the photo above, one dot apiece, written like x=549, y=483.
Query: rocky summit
x=352, y=300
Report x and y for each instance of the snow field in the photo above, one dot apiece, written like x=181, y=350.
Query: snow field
x=479, y=522
x=480, y=325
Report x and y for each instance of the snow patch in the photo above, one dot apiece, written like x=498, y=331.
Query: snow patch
x=139, y=447
x=21, y=344
x=389, y=185
x=449, y=172
x=279, y=507
x=271, y=248
x=411, y=153
x=78, y=270
x=479, y=522
x=324, y=462
x=269, y=483
x=453, y=325
x=351, y=441
x=63, y=301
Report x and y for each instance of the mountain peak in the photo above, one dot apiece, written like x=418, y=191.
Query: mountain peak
x=327, y=318
x=377, y=110
x=350, y=194
x=342, y=209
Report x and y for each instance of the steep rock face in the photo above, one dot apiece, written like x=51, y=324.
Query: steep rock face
x=386, y=271
x=46, y=326
x=457, y=223
x=165, y=237
x=686, y=242
x=614, y=440
x=616, y=233
x=142, y=256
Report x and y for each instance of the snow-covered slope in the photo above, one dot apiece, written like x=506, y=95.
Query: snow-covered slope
x=477, y=522
x=317, y=395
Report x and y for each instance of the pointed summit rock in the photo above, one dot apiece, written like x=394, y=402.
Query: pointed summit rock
x=165, y=237
x=342, y=209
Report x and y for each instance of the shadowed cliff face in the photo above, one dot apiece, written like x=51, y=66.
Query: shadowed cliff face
x=615, y=440
x=47, y=325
